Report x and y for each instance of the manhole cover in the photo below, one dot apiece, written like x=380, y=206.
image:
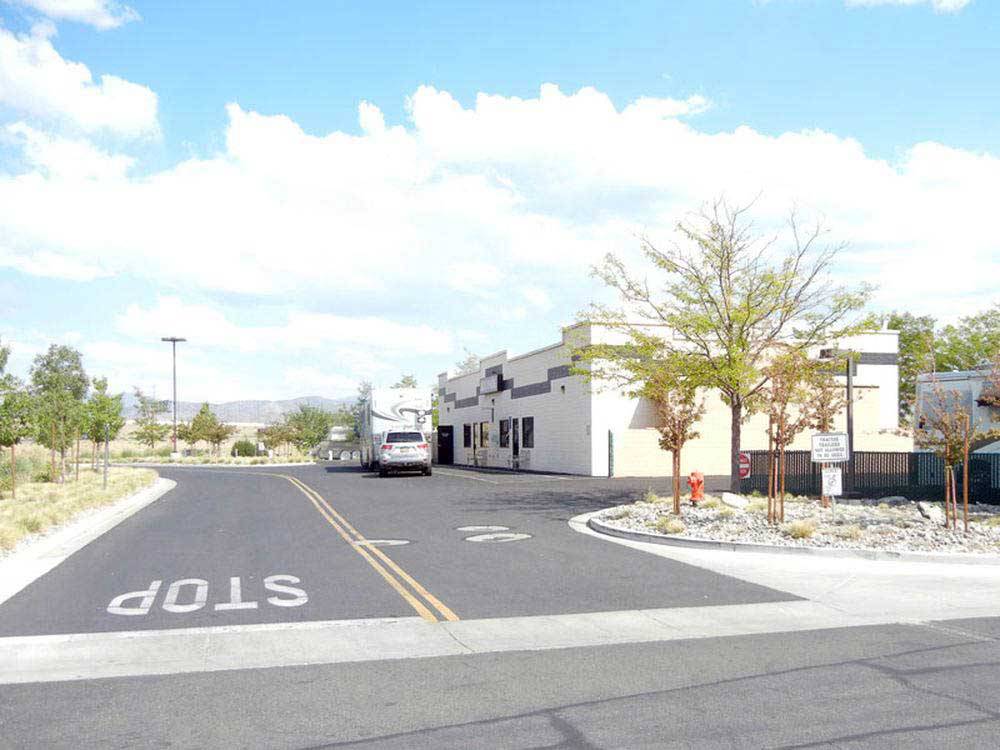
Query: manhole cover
x=382, y=542
x=483, y=528
x=499, y=537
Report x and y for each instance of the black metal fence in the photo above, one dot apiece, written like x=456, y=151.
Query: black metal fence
x=917, y=476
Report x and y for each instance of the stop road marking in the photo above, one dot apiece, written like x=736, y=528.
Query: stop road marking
x=191, y=594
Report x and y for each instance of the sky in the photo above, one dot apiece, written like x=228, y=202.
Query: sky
x=316, y=193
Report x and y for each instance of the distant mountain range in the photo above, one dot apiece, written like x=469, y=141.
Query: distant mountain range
x=259, y=412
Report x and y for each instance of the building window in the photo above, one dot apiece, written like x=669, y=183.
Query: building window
x=504, y=433
x=528, y=432
x=467, y=435
x=484, y=434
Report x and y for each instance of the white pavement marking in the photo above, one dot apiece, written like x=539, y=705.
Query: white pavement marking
x=465, y=475
x=31, y=562
x=483, y=528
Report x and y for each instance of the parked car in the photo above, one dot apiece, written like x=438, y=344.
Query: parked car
x=404, y=450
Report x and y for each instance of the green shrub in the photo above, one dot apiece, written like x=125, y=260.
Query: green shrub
x=670, y=525
x=802, y=529
x=244, y=448
x=163, y=452
x=650, y=497
x=44, y=473
x=619, y=514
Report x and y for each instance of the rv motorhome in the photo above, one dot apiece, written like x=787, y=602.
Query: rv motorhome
x=392, y=409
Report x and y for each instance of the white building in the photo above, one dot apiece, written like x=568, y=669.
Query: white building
x=968, y=383
x=531, y=412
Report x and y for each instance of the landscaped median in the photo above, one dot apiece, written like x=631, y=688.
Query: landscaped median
x=866, y=528
x=43, y=505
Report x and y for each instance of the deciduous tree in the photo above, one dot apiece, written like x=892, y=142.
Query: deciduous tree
x=59, y=385
x=104, y=418
x=149, y=430
x=16, y=420
x=727, y=298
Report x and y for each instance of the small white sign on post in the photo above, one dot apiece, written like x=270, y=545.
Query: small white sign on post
x=830, y=448
x=833, y=481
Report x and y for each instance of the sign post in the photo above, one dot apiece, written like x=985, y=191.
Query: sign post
x=833, y=486
x=831, y=448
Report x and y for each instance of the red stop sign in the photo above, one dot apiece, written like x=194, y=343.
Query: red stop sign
x=744, y=465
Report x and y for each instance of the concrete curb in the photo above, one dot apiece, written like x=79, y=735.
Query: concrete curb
x=37, y=557
x=959, y=558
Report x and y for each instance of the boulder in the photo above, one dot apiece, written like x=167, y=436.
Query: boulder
x=931, y=512
x=734, y=501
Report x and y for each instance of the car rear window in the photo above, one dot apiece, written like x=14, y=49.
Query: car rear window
x=404, y=437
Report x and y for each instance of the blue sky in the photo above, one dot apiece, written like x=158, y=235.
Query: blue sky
x=317, y=192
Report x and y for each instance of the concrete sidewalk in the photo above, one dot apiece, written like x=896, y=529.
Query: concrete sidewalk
x=890, y=590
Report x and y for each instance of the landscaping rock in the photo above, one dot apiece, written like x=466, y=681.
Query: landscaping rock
x=931, y=512
x=734, y=501
x=893, y=500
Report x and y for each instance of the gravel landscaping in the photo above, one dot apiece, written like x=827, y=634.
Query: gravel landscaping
x=896, y=527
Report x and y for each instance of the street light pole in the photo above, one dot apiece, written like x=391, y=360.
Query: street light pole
x=173, y=342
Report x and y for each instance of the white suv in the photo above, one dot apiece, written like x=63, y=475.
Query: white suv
x=404, y=450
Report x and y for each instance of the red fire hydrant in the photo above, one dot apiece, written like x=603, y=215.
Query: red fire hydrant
x=696, y=481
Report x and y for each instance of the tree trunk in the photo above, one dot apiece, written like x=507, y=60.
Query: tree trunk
x=53, y=452
x=781, y=514
x=947, y=498
x=93, y=459
x=735, y=428
x=677, y=483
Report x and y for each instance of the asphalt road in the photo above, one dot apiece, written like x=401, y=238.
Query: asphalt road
x=292, y=547
x=884, y=687
x=240, y=546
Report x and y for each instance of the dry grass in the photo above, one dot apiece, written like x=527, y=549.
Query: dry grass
x=618, y=514
x=227, y=460
x=757, y=506
x=801, y=529
x=668, y=525
x=42, y=505
x=726, y=512
x=710, y=502
x=852, y=532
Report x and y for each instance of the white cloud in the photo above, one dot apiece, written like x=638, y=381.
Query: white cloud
x=940, y=6
x=101, y=14
x=527, y=192
x=37, y=81
x=66, y=158
x=207, y=326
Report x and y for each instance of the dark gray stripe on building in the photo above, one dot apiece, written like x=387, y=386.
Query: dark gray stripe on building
x=532, y=389
x=522, y=391
x=450, y=397
x=878, y=358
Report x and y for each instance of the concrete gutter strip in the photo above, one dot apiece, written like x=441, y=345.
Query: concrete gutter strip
x=57, y=658
x=962, y=558
x=38, y=556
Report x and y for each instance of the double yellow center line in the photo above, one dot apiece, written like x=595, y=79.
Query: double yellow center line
x=415, y=595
